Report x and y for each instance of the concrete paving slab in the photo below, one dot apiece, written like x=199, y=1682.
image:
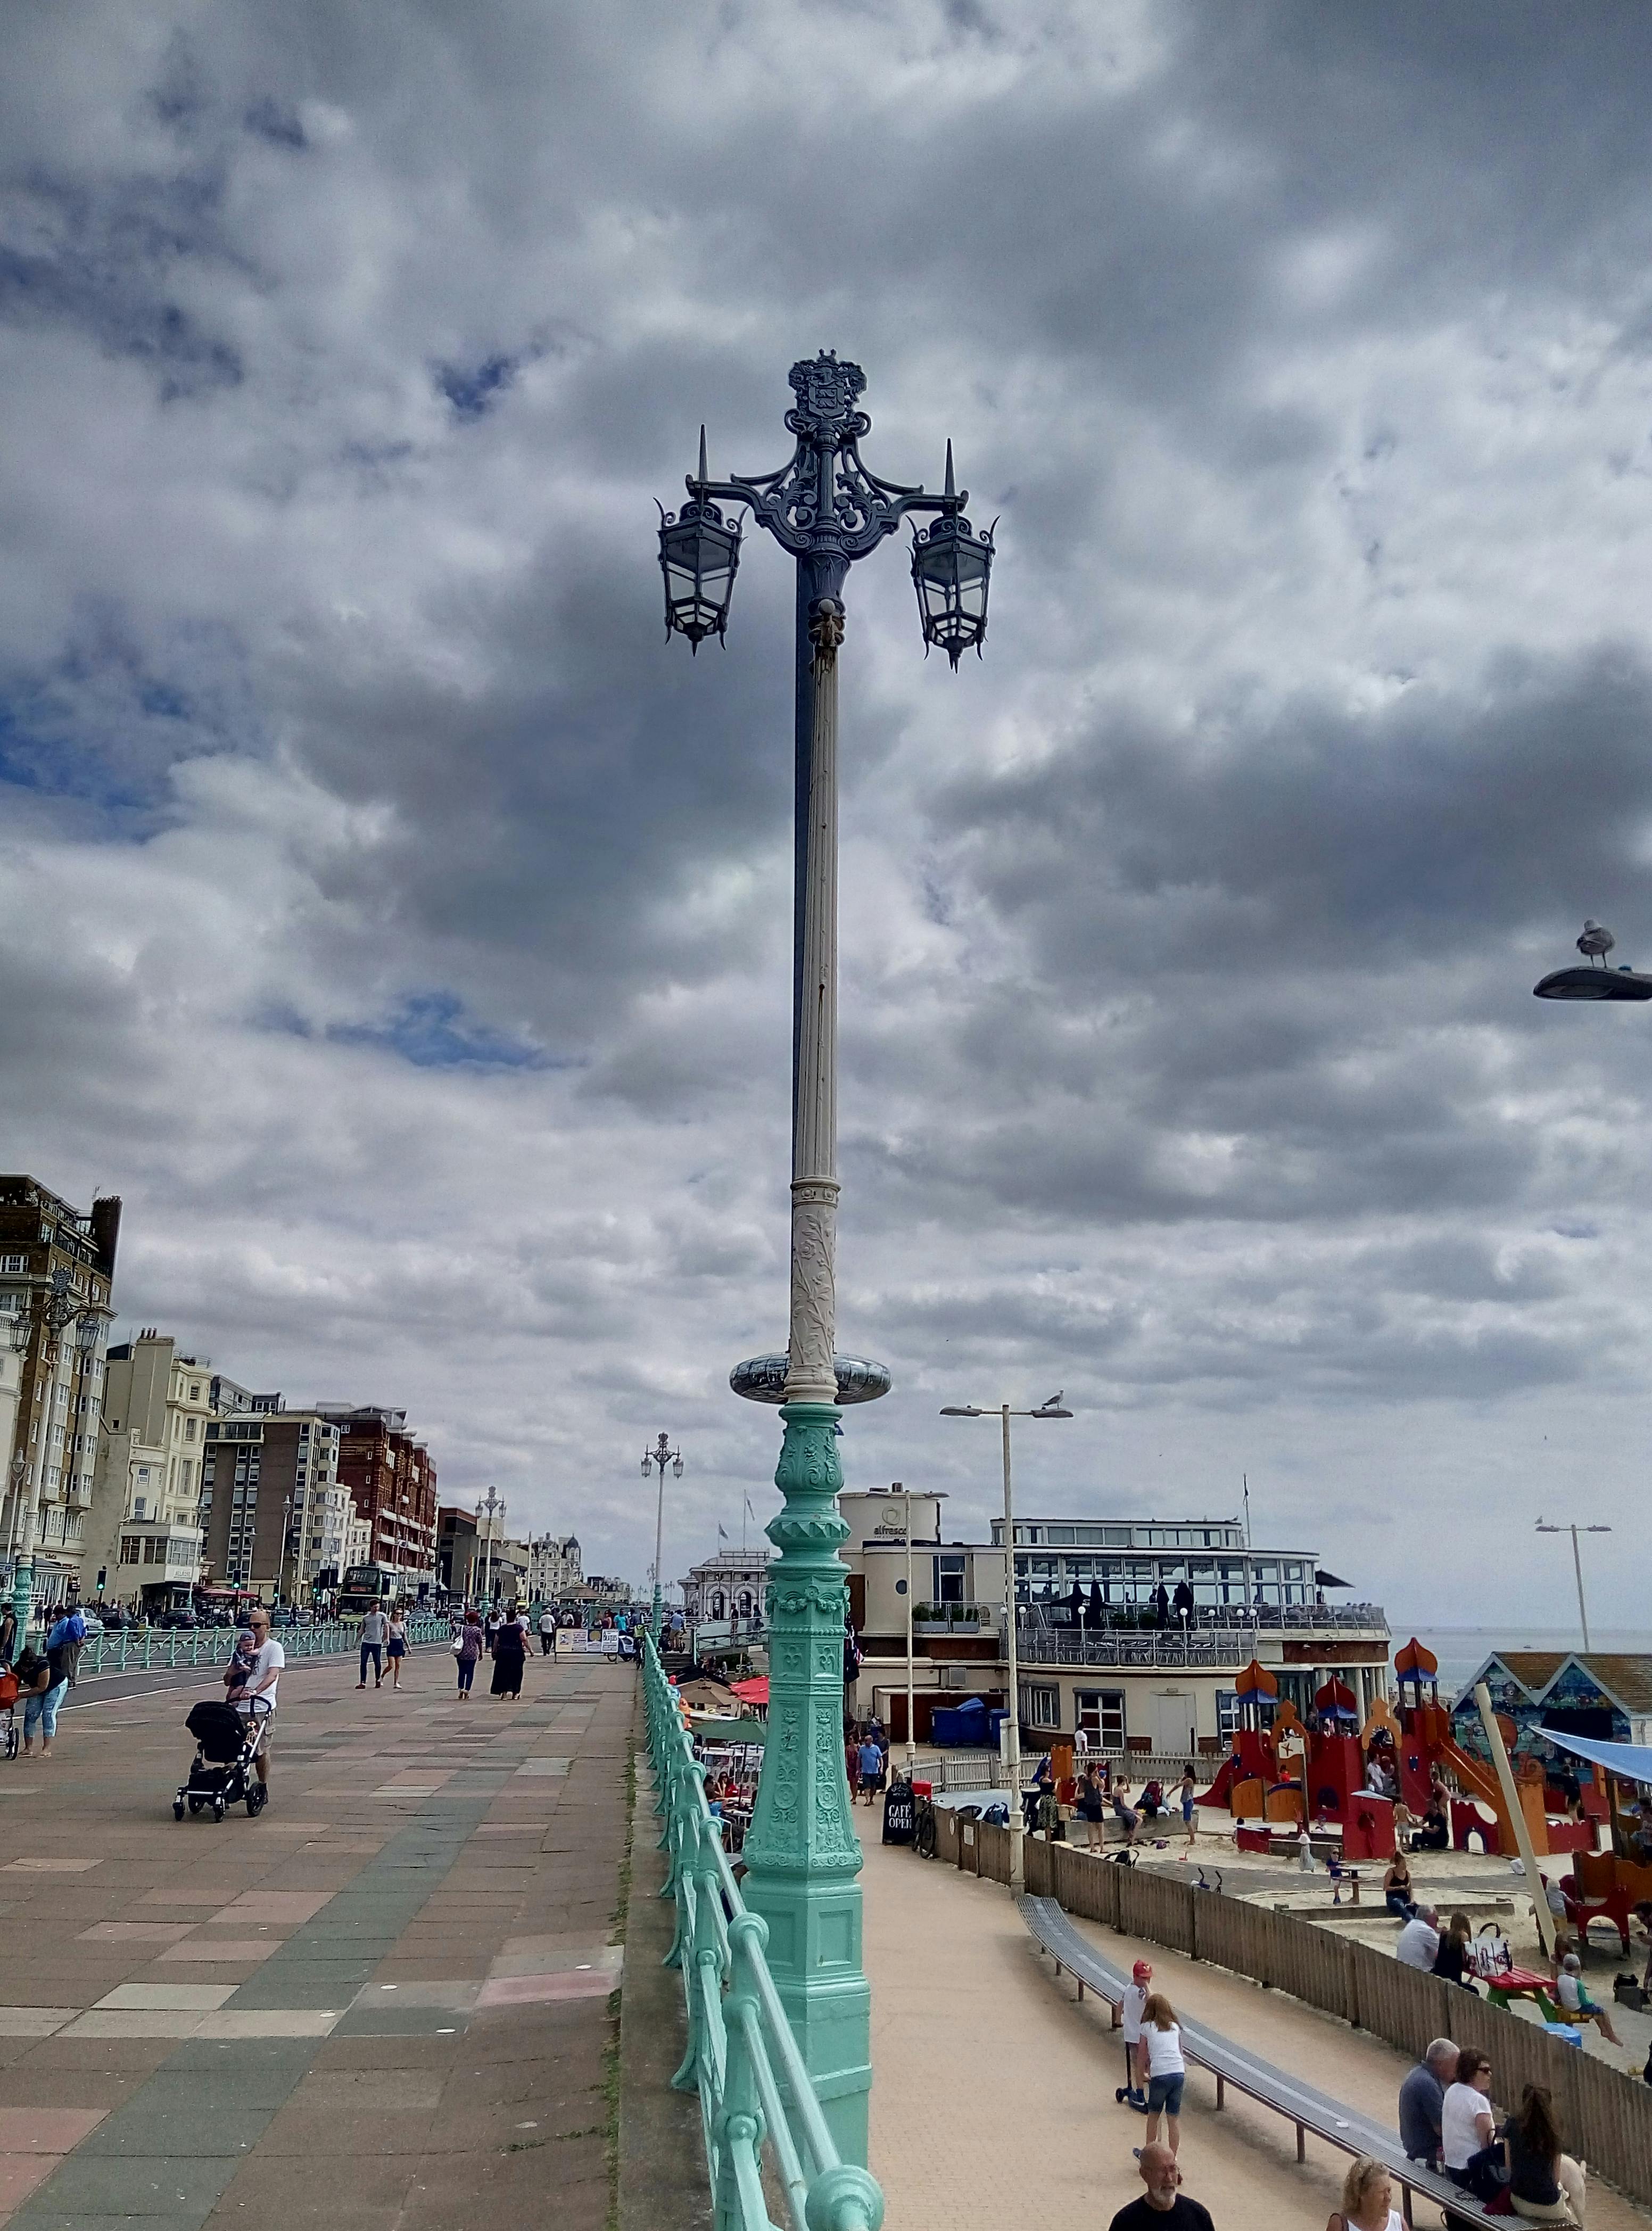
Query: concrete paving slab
x=148, y=2022
x=135, y=1932
x=34, y=2021
x=177, y=1998
x=269, y=2021
x=46, y=2129
x=214, y=1949
x=457, y=1994
x=215, y=2133
x=544, y=1990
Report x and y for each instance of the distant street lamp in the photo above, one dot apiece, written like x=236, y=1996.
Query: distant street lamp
x=495, y=1509
x=1052, y=1408
x=1577, y=1565
x=827, y=509
x=662, y=1454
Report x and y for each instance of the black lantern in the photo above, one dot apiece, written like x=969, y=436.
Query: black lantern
x=698, y=555
x=950, y=564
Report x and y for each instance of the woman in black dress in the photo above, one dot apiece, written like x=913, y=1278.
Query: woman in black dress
x=509, y=1650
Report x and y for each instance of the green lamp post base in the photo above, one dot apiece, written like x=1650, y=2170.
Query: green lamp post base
x=802, y=1853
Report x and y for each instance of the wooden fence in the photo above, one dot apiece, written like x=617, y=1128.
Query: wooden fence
x=1605, y=2116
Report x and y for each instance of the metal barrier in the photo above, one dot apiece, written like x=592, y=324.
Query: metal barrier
x=136, y=1649
x=742, y=2058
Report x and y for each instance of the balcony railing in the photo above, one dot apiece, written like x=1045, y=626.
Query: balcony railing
x=755, y=2093
x=1268, y=1619
x=955, y=1619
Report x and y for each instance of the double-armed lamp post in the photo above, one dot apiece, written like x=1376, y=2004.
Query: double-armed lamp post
x=663, y=1455
x=826, y=510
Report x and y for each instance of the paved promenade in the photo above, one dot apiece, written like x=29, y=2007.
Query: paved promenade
x=385, y=2002
x=993, y=2083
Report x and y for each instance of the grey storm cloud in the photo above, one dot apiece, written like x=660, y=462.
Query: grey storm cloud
x=400, y=924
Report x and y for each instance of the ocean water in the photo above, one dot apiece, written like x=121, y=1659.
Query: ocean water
x=1463, y=1650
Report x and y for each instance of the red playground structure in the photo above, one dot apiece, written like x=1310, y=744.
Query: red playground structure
x=1332, y=1776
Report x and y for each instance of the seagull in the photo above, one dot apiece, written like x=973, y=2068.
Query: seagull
x=1596, y=942
x=1053, y=1401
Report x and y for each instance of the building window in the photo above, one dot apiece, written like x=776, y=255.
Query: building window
x=15, y=1265
x=1100, y=1713
x=1227, y=1713
x=1041, y=1705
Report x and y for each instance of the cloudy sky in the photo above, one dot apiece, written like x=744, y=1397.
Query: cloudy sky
x=401, y=926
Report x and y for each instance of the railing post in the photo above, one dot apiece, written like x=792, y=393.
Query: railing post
x=740, y=2127
x=699, y=1950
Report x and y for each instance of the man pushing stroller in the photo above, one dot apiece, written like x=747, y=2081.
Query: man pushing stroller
x=252, y=1674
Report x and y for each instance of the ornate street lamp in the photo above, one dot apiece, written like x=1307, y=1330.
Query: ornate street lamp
x=662, y=1454
x=950, y=567
x=827, y=508
x=698, y=555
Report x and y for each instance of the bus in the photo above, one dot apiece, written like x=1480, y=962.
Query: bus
x=367, y=1587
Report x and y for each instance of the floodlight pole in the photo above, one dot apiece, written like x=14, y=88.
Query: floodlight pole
x=1577, y=1566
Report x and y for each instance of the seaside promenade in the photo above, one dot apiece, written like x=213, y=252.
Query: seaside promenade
x=992, y=2082
x=386, y=2004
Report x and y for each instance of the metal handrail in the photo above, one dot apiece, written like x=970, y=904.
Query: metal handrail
x=741, y=2056
x=137, y=1649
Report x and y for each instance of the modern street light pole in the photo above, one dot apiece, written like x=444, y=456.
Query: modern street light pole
x=1013, y=1726
x=827, y=509
x=662, y=1454
x=1577, y=1565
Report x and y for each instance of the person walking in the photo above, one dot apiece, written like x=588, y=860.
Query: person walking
x=546, y=1631
x=1163, y=2206
x=467, y=1648
x=509, y=1654
x=375, y=1628
x=34, y=1686
x=871, y=1769
x=1367, y=2200
x=258, y=1697
x=396, y=1645
x=65, y=1639
x=1167, y=2072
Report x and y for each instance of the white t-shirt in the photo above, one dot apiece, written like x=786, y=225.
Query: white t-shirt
x=270, y=1658
x=1130, y=2007
x=1418, y=1945
x=546, y=1623
x=1164, y=2050
x=1570, y=1990
x=1458, y=2137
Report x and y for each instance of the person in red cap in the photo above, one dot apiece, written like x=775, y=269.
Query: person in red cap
x=1130, y=2006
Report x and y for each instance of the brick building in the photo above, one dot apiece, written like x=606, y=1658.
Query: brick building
x=393, y=1484
x=272, y=1515
x=52, y=1260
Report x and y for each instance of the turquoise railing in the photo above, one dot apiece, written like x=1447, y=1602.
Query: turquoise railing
x=135, y=1649
x=755, y=2096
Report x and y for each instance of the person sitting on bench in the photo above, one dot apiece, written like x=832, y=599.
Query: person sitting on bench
x=1576, y=2003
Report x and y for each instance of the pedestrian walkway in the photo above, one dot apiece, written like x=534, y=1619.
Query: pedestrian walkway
x=992, y=2082
x=385, y=2002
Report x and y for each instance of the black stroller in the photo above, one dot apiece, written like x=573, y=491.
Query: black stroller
x=226, y=1743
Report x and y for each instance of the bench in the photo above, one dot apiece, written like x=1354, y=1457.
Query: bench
x=1342, y=2127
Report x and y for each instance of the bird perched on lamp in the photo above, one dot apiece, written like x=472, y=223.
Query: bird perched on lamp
x=1596, y=942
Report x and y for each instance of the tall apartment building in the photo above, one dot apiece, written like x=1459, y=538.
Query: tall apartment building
x=54, y=1263
x=555, y=1568
x=274, y=1513
x=393, y=1485
x=143, y=1535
